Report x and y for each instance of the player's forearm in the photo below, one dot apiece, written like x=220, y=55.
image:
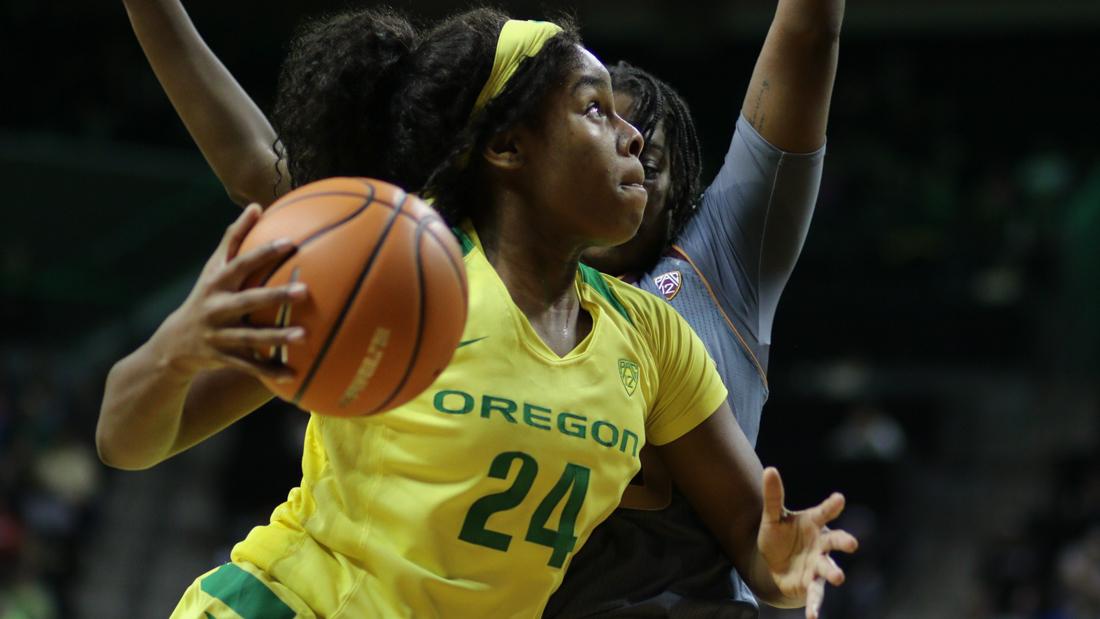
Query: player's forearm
x=754, y=570
x=821, y=19
x=142, y=408
x=716, y=468
x=737, y=532
x=791, y=87
x=231, y=131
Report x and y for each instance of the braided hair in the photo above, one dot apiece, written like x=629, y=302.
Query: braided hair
x=365, y=93
x=655, y=101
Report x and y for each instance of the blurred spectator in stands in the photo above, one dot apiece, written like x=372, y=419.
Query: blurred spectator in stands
x=1079, y=576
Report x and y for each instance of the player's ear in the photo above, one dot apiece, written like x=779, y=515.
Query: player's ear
x=504, y=151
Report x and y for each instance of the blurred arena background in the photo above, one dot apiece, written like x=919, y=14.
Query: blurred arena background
x=935, y=355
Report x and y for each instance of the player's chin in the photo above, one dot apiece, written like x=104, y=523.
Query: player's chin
x=634, y=198
x=613, y=219
x=627, y=217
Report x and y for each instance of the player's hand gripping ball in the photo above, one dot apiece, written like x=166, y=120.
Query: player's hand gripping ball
x=386, y=301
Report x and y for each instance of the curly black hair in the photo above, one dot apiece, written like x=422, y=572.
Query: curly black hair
x=365, y=93
x=656, y=101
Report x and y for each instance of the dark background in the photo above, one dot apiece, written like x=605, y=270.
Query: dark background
x=935, y=356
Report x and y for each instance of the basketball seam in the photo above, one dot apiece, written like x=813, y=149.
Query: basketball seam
x=420, y=229
x=369, y=200
x=339, y=322
x=297, y=199
x=313, y=237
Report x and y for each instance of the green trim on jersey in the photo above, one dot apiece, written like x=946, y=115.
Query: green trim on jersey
x=593, y=278
x=245, y=594
x=464, y=240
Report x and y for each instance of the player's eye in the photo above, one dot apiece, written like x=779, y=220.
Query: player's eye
x=594, y=109
x=651, y=170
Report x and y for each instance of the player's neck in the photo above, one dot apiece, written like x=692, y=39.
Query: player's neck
x=539, y=269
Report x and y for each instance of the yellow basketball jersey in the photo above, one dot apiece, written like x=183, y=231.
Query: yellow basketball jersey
x=470, y=500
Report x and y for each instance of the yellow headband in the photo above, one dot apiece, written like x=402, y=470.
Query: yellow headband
x=518, y=40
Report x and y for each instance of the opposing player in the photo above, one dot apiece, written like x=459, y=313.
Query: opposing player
x=722, y=262
x=432, y=509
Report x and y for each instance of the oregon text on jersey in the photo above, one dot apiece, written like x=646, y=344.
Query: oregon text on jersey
x=454, y=402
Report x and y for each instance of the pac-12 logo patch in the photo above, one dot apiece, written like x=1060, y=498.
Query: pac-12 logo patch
x=669, y=284
x=628, y=372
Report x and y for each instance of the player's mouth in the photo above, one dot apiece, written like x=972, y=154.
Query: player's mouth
x=634, y=181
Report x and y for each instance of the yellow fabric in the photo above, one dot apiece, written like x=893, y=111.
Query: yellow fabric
x=386, y=520
x=518, y=40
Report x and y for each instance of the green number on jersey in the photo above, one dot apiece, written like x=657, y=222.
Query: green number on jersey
x=573, y=480
x=473, y=527
x=562, y=541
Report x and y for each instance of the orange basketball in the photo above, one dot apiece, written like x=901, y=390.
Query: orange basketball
x=386, y=301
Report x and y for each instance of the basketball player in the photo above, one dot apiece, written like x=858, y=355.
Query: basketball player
x=784, y=112
x=722, y=262
x=496, y=161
